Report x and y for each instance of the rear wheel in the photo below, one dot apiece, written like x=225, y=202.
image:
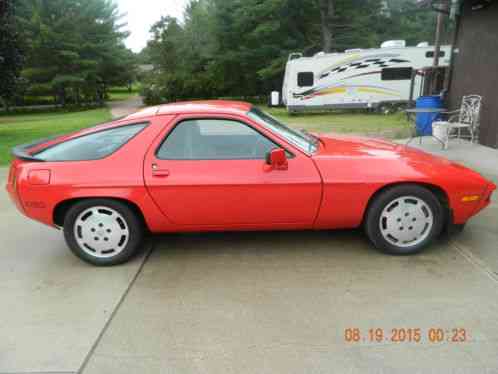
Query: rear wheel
x=102, y=232
x=404, y=219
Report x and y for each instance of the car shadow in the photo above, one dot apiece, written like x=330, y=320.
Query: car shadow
x=339, y=243
x=264, y=242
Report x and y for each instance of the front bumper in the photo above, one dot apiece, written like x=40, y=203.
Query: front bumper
x=486, y=198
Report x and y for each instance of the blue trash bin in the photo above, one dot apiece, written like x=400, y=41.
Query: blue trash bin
x=424, y=121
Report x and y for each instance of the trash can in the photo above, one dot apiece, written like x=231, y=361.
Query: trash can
x=424, y=121
x=275, y=99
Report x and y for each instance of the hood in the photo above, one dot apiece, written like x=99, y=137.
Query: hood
x=360, y=147
x=363, y=148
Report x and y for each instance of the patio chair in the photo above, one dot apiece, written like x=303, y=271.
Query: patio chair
x=466, y=118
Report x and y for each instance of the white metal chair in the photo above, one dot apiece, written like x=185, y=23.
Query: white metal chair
x=466, y=118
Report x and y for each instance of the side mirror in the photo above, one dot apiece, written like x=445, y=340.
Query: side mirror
x=277, y=159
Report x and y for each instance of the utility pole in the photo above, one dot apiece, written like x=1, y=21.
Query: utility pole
x=444, y=9
x=437, y=39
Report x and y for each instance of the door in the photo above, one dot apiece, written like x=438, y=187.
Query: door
x=212, y=172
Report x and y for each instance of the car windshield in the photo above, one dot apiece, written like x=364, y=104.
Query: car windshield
x=301, y=139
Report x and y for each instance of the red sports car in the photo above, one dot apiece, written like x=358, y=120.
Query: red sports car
x=220, y=165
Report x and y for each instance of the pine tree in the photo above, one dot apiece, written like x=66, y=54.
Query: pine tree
x=75, y=49
x=11, y=52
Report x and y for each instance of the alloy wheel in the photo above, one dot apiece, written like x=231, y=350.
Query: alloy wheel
x=101, y=232
x=406, y=221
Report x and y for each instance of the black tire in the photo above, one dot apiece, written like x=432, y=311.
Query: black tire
x=372, y=221
x=386, y=109
x=126, y=252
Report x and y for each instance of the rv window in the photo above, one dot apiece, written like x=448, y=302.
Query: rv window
x=430, y=54
x=396, y=74
x=305, y=79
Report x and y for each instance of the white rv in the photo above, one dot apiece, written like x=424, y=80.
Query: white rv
x=359, y=78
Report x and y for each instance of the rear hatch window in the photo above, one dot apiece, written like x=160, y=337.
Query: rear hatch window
x=92, y=146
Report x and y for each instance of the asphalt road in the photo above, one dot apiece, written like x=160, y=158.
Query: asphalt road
x=246, y=303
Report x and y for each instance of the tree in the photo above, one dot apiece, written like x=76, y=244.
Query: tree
x=409, y=22
x=327, y=13
x=75, y=49
x=239, y=48
x=254, y=39
x=11, y=51
x=348, y=24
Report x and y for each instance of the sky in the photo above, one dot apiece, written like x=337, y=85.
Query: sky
x=142, y=14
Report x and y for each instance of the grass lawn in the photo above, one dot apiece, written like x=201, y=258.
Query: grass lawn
x=122, y=93
x=23, y=128
x=390, y=126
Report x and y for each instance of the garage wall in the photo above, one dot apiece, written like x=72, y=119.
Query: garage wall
x=476, y=66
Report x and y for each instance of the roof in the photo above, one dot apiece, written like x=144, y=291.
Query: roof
x=191, y=107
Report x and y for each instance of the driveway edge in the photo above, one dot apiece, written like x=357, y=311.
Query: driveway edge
x=116, y=308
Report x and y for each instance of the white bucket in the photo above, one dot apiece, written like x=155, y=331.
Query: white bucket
x=440, y=130
x=275, y=98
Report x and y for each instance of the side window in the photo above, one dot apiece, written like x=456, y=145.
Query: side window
x=214, y=139
x=93, y=146
x=430, y=54
x=305, y=79
x=396, y=74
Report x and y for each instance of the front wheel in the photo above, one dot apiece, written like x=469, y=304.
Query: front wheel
x=404, y=219
x=102, y=232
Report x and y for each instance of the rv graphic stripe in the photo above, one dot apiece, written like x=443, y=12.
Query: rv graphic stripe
x=342, y=88
x=363, y=62
x=332, y=81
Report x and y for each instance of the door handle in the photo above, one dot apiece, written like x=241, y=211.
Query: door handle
x=160, y=173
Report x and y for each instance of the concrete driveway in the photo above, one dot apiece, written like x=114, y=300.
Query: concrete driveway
x=246, y=303
x=125, y=107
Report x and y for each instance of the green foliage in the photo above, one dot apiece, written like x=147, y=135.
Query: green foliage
x=74, y=49
x=409, y=22
x=11, y=53
x=240, y=47
x=226, y=48
x=255, y=38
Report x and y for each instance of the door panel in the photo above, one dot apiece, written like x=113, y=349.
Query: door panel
x=230, y=192
x=219, y=192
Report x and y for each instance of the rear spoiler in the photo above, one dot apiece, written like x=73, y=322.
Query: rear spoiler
x=21, y=151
